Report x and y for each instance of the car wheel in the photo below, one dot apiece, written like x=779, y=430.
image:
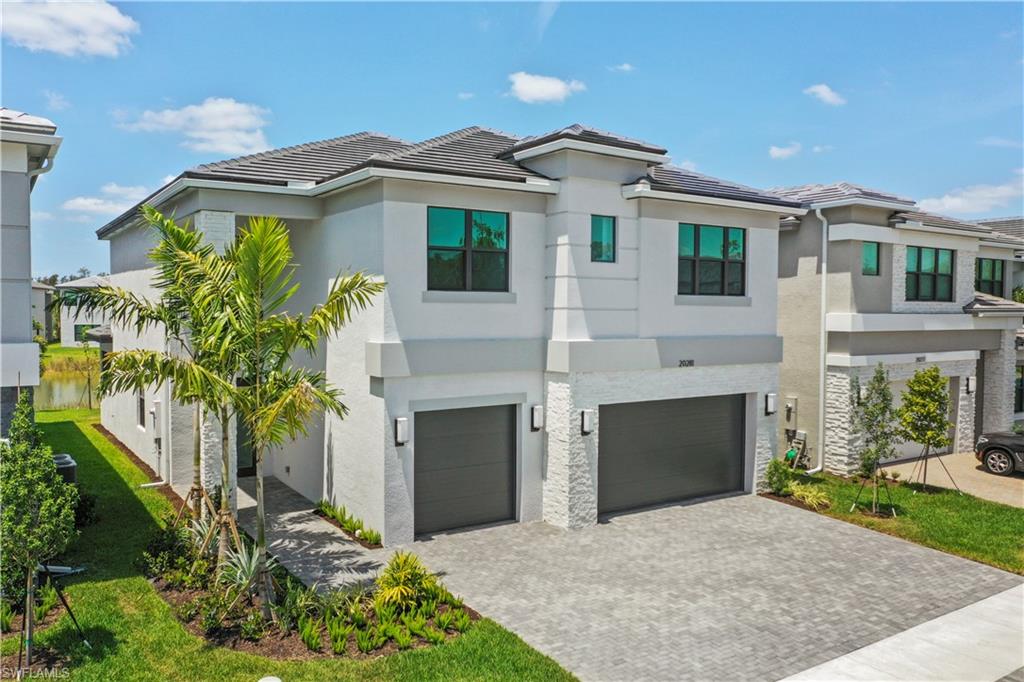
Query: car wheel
x=998, y=462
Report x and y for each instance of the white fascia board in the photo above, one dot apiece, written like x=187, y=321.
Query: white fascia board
x=643, y=191
x=921, y=227
x=873, y=203
x=996, y=244
x=40, y=139
x=592, y=148
x=918, y=322
x=537, y=185
x=844, y=360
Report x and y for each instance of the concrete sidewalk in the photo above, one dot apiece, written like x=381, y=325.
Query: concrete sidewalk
x=970, y=476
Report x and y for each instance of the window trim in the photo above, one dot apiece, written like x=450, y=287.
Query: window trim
x=1001, y=282
x=696, y=259
x=467, y=250
x=917, y=275
x=878, y=259
x=615, y=238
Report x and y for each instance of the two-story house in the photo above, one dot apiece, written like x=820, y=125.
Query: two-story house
x=865, y=277
x=571, y=326
x=28, y=146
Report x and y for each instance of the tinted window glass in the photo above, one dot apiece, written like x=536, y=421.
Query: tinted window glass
x=712, y=242
x=489, y=271
x=446, y=269
x=736, y=238
x=446, y=227
x=945, y=262
x=490, y=230
x=602, y=239
x=686, y=239
x=869, y=258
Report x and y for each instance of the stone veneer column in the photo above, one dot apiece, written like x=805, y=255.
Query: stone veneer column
x=840, y=441
x=997, y=396
x=570, y=476
x=964, y=441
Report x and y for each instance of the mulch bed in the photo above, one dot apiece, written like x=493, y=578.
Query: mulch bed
x=274, y=644
x=165, y=490
x=352, y=536
x=46, y=664
x=787, y=499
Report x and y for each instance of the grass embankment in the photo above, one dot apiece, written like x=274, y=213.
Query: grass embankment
x=964, y=525
x=58, y=358
x=135, y=636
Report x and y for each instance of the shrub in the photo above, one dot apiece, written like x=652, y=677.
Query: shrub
x=404, y=581
x=213, y=609
x=386, y=613
x=365, y=640
x=433, y=635
x=777, y=477
x=188, y=610
x=338, y=631
x=356, y=615
x=462, y=621
x=309, y=631
x=253, y=627
x=403, y=640
x=427, y=608
x=165, y=549
x=445, y=619
x=47, y=595
x=6, y=617
x=452, y=601
x=371, y=536
x=415, y=623
x=810, y=495
x=241, y=567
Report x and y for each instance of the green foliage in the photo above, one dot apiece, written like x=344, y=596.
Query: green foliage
x=427, y=608
x=777, y=476
x=188, y=610
x=47, y=596
x=213, y=609
x=402, y=637
x=923, y=415
x=253, y=627
x=309, y=631
x=1018, y=294
x=404, y=581
x=811, y=495
x=386, y=613
x=874, y=419
x=357, y=616
x=371, y=536
x=416, y=623
x=169, y=549
x=37, y=507
x=241, y=567
x=369, y=639
x=85, y=510
x=445, y=619
x=433, y=635
x=462, y=621
x=338, y=632
x=351, y=524
x=6, y=617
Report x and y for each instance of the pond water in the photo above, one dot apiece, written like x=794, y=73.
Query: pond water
x=63, y=390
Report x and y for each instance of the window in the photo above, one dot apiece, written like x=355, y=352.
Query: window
x=1018, y=390
x=602, y=239
x=467, y=250
x=929, y=274
x=869, y=258
x=141, y=410
x=988, y=276
x=712, y=260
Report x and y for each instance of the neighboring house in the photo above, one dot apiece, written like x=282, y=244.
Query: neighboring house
x=571, y=327
x=903, y=288
x=42, y=296
x=28, y=145
x=1014, y=226
x=73, y=323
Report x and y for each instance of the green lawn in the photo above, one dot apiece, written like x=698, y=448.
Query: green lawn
x=968, y=526
x=55, y=350
x=136, y=637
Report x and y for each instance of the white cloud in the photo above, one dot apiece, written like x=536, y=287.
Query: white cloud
x=533, y=89
x=686, y=164
x=68, y=28
x=38, y=216
x=219, y=124
x=624, y=67
x=992, y=141
x=465, y=95
x=822, y=148
x=785, y=152
x=980, y=198
x=112, y=199
x=545, y=13
x=168, y=178
x=55, y=101
x=825, y=94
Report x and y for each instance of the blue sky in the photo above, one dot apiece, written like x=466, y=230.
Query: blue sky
x=921, y=99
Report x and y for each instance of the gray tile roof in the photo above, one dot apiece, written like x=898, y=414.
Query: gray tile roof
x=933, y=220
x=311, y=162
x=1012, y=226
x=812, y=194
x=12, y=119
x=473, y=151
x=668, y=178
x=85, y=283
x=986, y=303
x=585, y=133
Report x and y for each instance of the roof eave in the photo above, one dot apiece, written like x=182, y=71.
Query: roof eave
x=642, y=190
x=564, y=143
x=858, y=201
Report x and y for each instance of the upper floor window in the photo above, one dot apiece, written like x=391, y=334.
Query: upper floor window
x=602, y=239
x=712, y=260
x=929, y=274
x=869, y=258
x=467, y=250
x=988, y=277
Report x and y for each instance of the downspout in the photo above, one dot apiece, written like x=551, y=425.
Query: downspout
x=822, y=342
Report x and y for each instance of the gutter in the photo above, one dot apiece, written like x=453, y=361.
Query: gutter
x=822, y=342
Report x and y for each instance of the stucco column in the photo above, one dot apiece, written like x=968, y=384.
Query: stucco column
x=570, y=473
x=997, y=397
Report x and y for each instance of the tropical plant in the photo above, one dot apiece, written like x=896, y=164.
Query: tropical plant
x=309, y=632
x=47, y=594
x=403, y=640
x=403, y=581
x=241, y=568
x=6, y=616
x=810, y=495
x=338, y=632
x=445, y=619
x=923, y=414
x=433, y=635
x=777, y=477
x=253, y=627
x=186, y=611
x=415, y=622
x=462, y=621
x=366, y=640
x=371, y=536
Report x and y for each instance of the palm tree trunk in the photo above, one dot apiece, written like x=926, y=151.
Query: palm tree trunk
x=264, y=588
x=225, y=490
x=197, y=462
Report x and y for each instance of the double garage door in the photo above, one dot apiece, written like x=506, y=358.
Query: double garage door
x=649, y=453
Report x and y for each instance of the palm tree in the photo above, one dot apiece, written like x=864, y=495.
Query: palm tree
x=254, y=280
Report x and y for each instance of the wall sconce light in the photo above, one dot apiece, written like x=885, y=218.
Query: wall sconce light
x=862, y=394
x=536, y=417
x=586, y=422
x=771, y=403
x=401, y=430
x=971, y=385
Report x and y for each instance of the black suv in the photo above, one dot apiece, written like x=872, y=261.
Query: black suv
x=1001, y=452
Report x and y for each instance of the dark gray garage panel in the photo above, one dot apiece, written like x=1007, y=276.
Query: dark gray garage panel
x=667, y=450
x=465, y=467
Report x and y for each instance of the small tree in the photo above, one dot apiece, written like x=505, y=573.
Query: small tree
x=874, y=418
x=923, y=416
x=37, y=507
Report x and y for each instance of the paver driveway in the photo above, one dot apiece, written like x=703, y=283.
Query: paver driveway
x=729, y=589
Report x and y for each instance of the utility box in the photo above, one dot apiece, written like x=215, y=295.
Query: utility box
x=67, y=468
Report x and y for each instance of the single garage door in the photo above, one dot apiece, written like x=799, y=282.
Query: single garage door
x=465, y=467
x=667, y=450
